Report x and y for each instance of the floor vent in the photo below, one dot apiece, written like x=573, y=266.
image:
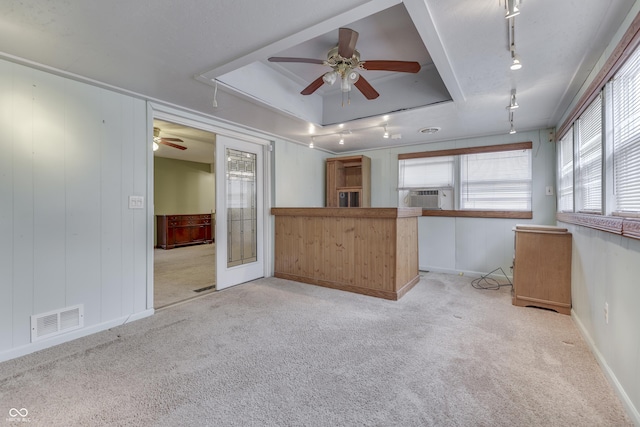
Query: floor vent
x=56, y=322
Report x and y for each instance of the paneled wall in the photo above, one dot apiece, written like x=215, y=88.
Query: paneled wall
x=70, y=156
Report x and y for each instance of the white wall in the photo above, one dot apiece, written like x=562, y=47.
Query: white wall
x=606, y=269
x=468, y=245
x=70, y=155
x=299, y=175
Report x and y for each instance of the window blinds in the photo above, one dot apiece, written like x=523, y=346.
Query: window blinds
x=589, y=168
x=565, y=173
x=496, y=181
x=626, y=136
x=426, y=172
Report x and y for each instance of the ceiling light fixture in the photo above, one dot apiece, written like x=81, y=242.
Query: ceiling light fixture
x=512, y=8
x=215, y=94
x=311, y=143
x=515, y=63
x=386, y=134
x=513, y=104
x=512, y=130
x=341, y=142
x=330, y=77
x=515, y=58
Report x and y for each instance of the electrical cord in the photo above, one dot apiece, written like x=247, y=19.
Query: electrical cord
x=489, y=283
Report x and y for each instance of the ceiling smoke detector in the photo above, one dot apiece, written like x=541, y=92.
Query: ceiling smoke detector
x=430, y=130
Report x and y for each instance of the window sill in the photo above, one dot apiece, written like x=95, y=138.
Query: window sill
x=628, y=227
x=479, y=214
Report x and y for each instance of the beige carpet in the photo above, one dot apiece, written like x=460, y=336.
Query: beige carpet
x=280, y=353
x=178, y=272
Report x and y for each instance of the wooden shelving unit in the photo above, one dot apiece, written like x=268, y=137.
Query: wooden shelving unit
x=348, y=182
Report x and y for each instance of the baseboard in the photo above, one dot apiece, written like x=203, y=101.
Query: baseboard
x=70, y=336
x=632, y=411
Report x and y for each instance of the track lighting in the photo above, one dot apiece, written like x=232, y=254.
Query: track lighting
x=512, y=8
x=386, y=134
x=341, y=142
x=311, y=143
x=513, y=104
x=515, y=63
x=512, y=130
x=215, y=94
x=515, y=59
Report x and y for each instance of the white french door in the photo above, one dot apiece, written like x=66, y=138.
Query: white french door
x=239, y=211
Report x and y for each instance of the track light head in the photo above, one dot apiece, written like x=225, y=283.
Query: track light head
x=515, y=63
x=513, y=104
x=512, y=8
x=385, y=135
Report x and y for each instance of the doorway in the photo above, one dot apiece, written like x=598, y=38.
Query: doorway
x=184, y=213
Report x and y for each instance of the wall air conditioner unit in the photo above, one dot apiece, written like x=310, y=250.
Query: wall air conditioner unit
x=431, y=198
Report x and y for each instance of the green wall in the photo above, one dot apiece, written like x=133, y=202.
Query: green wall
x=182, y=187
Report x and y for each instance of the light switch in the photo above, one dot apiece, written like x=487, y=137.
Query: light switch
x=136, y=202
x=549, y=190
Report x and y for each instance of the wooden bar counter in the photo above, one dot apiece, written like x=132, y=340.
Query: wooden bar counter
x=371, y=251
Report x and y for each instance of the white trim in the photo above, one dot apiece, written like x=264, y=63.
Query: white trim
x=210, y=124
x=150, y=208
x=70, y=336
x=632, y=411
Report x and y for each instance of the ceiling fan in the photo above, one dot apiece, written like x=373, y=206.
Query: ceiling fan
x=157, y=139
x=345, y=61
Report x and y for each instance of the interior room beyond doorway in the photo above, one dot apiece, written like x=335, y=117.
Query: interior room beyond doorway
x=184, y=213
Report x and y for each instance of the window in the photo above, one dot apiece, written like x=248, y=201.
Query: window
x=565, y=172
x=589, y=158
x=426, y=172
x=626, y=136
x=496, y=181
x=493, y=178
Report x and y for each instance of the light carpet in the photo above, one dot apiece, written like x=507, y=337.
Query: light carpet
x=280, y=353
x=178, y=272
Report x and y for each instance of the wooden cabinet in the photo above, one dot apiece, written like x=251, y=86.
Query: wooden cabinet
x=542, y=268
x=371, y=251
x=349, y=182
x=181, y=230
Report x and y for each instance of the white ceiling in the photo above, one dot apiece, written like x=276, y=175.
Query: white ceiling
x=169, y=51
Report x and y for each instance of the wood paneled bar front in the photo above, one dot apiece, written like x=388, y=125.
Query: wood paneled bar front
x=371, y=251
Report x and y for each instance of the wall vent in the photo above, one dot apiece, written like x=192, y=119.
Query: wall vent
x=56, y=322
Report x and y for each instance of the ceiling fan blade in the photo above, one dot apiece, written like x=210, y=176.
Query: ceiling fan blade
x=171, y=144
x=365, y=87
x=347, y=39
x=315, y=85
x=171, y=139
x=401, y=66
x=287, y=59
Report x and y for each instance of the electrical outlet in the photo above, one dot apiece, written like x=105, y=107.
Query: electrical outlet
x=606, y=312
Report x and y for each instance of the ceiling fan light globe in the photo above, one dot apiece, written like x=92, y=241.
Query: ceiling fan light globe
x=344, y=85
x=330, y=77
x=155, y=146
x=353, y=76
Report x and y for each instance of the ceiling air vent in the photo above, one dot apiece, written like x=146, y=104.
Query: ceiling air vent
x=430, y=130
x=56, y=322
